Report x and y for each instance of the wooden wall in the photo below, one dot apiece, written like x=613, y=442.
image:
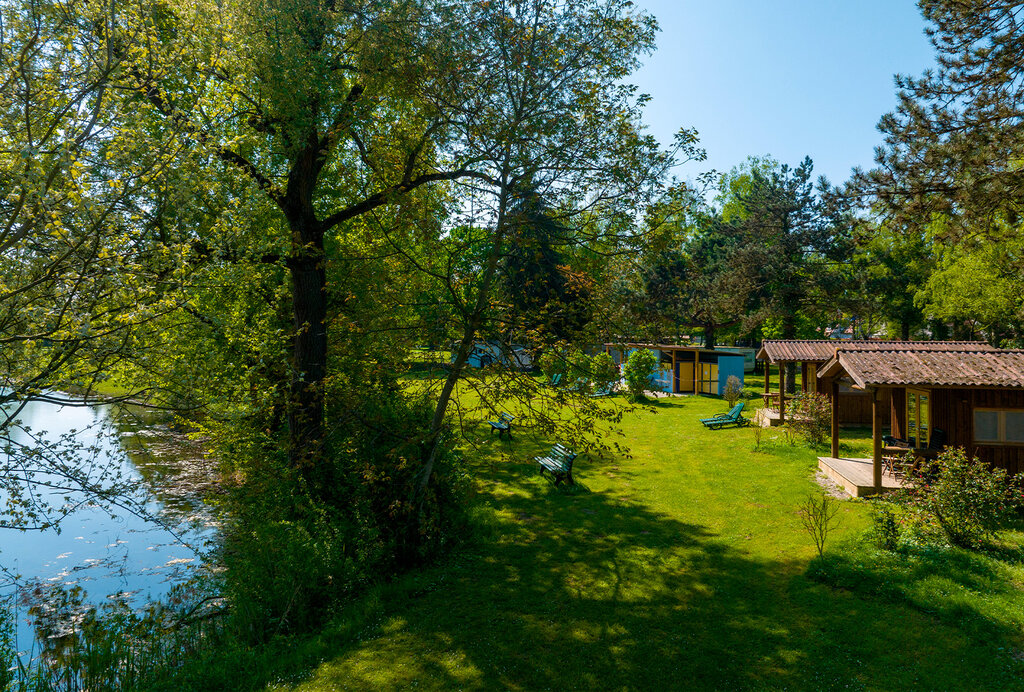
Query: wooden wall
x=952, y=411
x=854, y=407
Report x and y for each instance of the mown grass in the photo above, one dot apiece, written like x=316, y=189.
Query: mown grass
x=682, y=567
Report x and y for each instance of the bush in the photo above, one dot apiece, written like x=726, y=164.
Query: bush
x=967, y=499
x=604, y=371
x=817, y=514
x=552, y=363
x=810, y=417
x=733, y=391
x=579, y=370
x=639, y=367
x=885, y=525
x=298, y=543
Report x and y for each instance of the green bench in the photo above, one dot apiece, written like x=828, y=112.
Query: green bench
x=558, y=463
x=503, y=425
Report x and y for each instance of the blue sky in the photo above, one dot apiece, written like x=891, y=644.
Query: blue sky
x=787, y=78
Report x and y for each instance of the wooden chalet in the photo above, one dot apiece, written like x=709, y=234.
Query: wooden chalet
x=971, y=398
x=811, y=354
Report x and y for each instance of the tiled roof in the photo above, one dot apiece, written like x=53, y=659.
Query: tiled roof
x=967, y=368
x=821, y=350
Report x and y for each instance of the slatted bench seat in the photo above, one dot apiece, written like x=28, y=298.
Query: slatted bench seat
x=558, y=463
x=503, y=425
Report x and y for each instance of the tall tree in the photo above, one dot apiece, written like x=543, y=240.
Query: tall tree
x=954, y=143
x=796, y=235
x=323, y=110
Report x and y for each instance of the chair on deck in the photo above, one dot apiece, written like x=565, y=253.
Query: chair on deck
x=895, y=450
x=733, y=417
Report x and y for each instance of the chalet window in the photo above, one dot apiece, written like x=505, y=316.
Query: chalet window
x=999, y=425
x=919, y=417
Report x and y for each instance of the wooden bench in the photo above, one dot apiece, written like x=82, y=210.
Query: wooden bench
x=558, y=463
x=503, y=425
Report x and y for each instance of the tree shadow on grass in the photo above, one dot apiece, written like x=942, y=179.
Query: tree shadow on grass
x=589, y=590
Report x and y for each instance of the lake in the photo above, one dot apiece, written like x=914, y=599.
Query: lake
x=108, y=552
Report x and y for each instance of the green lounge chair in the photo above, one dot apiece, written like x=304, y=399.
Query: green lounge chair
x=733, y=417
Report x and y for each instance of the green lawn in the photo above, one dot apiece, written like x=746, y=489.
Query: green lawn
x=682, y=567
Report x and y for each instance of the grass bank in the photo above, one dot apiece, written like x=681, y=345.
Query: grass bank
x=682, y=565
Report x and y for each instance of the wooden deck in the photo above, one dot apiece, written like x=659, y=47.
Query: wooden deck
x=855, y=475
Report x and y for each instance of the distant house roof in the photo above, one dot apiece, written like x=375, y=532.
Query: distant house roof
x=931, y=368
x=821, y=350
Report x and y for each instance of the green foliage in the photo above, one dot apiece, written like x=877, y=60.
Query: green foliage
x=885, y=524
x=810, y=416
x=951, y=147
x=978, y=284
x=792, y=237
x=733, y=391
x=552, y=363
x=965, y=497
x=638, y=370
x=8, y=650
x=604, y=371
x=300, y=542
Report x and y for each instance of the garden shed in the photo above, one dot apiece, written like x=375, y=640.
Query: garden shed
x=686, y=369
x=854, y=407
x=971, y=398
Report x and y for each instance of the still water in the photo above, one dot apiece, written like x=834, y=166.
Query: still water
x=109, y=552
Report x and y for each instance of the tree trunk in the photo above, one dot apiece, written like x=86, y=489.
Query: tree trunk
x=905, y=330
x=470, y=328
x=309, y=347
x=709, y=336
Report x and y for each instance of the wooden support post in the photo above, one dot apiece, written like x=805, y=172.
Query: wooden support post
x=767, y=377
x=675, y=372
x=835, y=418
x=696, y=372
x=782, y=392
x=803, y=377
x=877, y=414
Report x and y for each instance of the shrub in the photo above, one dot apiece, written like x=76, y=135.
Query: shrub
x=885, y=525
x=639, y=367
x=966, y=498
x=604, y=371
x=817, y=514
x=810, y=417
x=579, y=371
x=552, y=364
x=733, y=391
x=298, y=543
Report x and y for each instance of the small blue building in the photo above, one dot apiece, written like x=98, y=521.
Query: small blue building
x=686, y=369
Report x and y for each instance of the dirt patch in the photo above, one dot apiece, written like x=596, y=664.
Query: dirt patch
x=832, y=488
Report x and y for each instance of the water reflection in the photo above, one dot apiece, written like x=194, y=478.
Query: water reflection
x=110, y=551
